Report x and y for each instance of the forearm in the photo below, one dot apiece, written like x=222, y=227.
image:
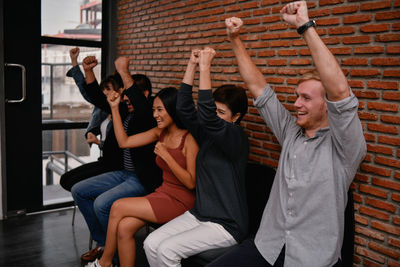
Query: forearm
x=89, y=76
x=188, y=78
x=205, y=78
x=119, y=131
x=332, y=77
x=251, y=75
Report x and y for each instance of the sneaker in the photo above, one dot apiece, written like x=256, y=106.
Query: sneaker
x=93, y=254
x=95, y=264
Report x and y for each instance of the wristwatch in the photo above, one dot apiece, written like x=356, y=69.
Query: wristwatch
x=305, y=26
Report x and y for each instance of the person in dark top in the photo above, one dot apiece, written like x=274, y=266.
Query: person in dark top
x=138, y=174
x=219, y=217
x=98, y=119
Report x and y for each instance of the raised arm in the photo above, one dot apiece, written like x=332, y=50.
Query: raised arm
x=188, y=78
x=251, y=75
x=185, y=107
x=88, y=64
x=122, y=67
x=332, y=77
x=185, y=176
x=125, y=141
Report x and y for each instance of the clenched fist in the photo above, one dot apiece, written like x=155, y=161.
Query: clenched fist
x=233, y=26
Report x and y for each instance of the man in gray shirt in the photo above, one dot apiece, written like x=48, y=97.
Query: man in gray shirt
x=322, y=147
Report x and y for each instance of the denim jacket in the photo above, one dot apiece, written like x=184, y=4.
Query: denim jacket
x=98, y=115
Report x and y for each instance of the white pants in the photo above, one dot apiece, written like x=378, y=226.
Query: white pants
x=183, y=237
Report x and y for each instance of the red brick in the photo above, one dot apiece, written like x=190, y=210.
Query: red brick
x=269, y=2
x=386, y=183
x=278, y=26
x=369, y=50
x=287, y=52
x=390, y=119
x=393, y=263
x=330, y=2
x=373, y=191
x=386, y=61
x=363, y=94
x=374, y=213
x=354, y=61
x=389, y=140
x=360, y=84
x=300, y=62
x=369, y=137
x=375, y=170
x=380, y=204
x=380, y=149
x=339, y=51
x=367, y=116
x=329, y=21
x=319, y=13
x=396, y=220
x=383, y=107
x=396, y=197
x=341, y=30
x=365, y=39
x=270, y=19
x=357, y=18
x=369, y=254
x=277, y=62
x=344, y=9
x=386, y=227
x=375, y=5
x=394, y=242
x=391, y=95
x=279, y=43
x=359, y=240
x=391, y=73
x=369, y=233
x=375, y=28
x=387, y=37
x=361, y=219
x=387, y=15
x=383, y=85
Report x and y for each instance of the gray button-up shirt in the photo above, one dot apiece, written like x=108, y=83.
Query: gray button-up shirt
x=306, y=206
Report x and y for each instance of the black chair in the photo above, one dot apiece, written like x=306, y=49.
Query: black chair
x=259, y=179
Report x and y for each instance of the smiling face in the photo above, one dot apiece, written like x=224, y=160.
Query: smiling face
x=161, y=115
x=312, y=113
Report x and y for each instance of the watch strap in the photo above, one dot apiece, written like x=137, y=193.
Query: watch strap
x=305, y=26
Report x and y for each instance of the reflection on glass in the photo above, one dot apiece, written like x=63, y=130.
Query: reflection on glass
x=63, y=150
x=74, y=19
x=61, y=97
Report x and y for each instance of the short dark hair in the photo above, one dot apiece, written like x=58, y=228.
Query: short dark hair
x=234, y=97
x=168, y=97
x=143, y=83
x=115, y=81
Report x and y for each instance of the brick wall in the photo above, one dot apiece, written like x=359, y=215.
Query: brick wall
x=364, y=35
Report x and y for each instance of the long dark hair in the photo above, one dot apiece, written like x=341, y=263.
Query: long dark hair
x=168, y=97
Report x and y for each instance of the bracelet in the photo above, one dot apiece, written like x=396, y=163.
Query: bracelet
x=305, y=26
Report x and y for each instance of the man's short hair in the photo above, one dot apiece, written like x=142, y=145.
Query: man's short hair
x=309, y=75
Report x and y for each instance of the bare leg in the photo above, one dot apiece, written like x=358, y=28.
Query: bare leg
x=138, y=207
x=127, y=228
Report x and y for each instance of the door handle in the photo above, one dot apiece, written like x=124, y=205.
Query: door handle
x=23, y=72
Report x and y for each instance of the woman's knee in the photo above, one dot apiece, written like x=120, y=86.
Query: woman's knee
x=126, y=228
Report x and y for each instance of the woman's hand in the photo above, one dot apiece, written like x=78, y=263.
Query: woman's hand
x=161, y=150
x=113, y=99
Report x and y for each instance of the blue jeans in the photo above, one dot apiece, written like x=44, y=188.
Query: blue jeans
x=95, y=196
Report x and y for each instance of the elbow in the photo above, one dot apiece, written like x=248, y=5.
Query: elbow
x=123, y=145
x=192, y=184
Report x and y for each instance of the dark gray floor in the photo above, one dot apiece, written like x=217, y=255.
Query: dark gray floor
x=49, y=239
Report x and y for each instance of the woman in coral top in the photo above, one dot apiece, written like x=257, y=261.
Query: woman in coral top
x=176, y=153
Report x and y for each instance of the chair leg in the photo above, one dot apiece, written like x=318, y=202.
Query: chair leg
x=73, y=215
